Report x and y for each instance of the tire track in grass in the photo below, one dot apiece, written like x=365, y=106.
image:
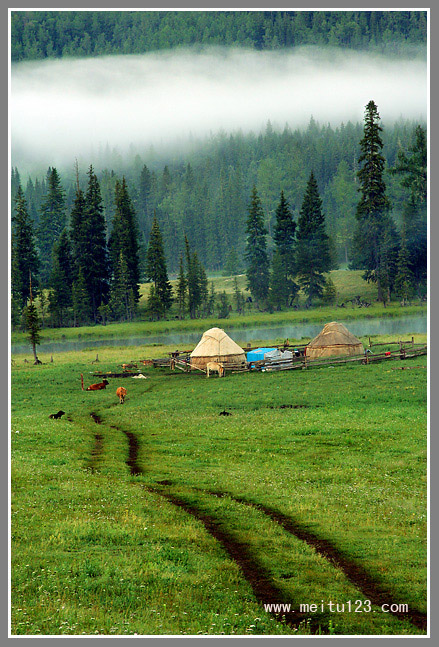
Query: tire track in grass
x=355, y=573
x=259, y=579
x=133, y=446
x=264, y=589
x=96, y=452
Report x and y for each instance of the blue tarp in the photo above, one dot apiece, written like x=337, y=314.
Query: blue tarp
x=257, y=354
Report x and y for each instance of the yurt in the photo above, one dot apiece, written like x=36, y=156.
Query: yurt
x=334, y=339
x=216, y=346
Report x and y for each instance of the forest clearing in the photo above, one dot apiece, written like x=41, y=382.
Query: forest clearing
x=163, y=517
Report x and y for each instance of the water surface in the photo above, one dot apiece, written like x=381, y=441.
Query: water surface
x=188, y=340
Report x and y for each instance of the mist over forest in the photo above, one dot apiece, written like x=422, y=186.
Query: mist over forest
x=77, y=108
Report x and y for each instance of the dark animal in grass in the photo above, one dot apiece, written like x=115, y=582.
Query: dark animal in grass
x=225, y=413
x=94, y=387
x=55, y=416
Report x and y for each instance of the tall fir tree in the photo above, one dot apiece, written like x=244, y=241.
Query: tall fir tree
x=156, y=270
x=404, y=276
x=124, y=237
x=24, y=257
x=51, y=222
x=94, y=263
x=82, y=310
x=283, y=288
x=369, y=251
x=413, y=169
x=313, y=256
x=32, y=323
x=61, y=280
x=193, y=285
x=256, y=251
x=122, y=300
x=181, y=290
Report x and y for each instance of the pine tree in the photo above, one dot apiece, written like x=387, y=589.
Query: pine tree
x=61, y=280
x=181, y=290
x=193, y=276
x=154, y=306
x=52, y=222
x=124, y=237
x=404, y=276
x=94, y=261
x=223, y=305
x=372, y=213
x=81, y=299
x=413, y=169
x=313, y=257
x=122, y=295
x=32, y=324
x=283, y=289
x=256, y=253
x=24, y=258
x=156, y=270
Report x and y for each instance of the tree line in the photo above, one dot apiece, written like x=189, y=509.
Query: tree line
x=93, y=275
x=49, y=34
x=204, y=192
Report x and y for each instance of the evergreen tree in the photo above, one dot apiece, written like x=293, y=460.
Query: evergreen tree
x=204, y=289
x=154, y=305
x=313, y=257
x=81, y=299
x=156, y=270
x=122, y=297
x=33, y=325
x=238, y=296
x=329, y=292
x=24, y=258
x=52, y=222
x=404, y=276
x=211, y=300
x=256, y=253
x=61, y=281
x=372, y=213
x=413, y=169
x=181, y=290
x=94, y=261
x=124, y=237
x=283, y=287
x=193, y=280
x=223, y=305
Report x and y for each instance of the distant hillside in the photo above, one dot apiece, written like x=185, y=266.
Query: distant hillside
x=54, y=34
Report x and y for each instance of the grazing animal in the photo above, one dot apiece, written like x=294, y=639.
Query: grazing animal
x=55, y=416
x=121, y=393
x=128, y=366
x=215, y=367
x=97, y=387
x=225, y=413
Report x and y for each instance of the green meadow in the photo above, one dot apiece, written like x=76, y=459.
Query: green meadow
x=161, y=516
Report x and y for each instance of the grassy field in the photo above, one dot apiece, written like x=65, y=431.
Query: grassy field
x=348, y=285
x=163, y=517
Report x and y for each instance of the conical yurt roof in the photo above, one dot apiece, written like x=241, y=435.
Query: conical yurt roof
x=216, y=343
x=334, y=334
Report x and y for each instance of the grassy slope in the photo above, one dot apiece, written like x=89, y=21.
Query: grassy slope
x=348, y=285
x=96, y=552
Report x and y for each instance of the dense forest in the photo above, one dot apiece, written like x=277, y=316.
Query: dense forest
x=204, y=193
x=41, y=34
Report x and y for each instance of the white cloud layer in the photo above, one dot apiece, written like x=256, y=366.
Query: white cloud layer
x=62, y=108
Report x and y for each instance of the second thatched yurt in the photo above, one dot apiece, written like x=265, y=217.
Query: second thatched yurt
x=216, y=346
x=335, y=339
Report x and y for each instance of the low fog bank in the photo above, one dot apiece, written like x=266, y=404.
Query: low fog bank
x=62, y=109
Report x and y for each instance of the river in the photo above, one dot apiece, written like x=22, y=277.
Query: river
x=361, y=327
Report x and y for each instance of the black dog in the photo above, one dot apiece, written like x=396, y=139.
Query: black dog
x=224, y=413
x=55, y=416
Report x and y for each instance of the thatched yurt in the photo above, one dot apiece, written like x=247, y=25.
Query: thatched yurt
x=216, y=346
x=334, y=340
